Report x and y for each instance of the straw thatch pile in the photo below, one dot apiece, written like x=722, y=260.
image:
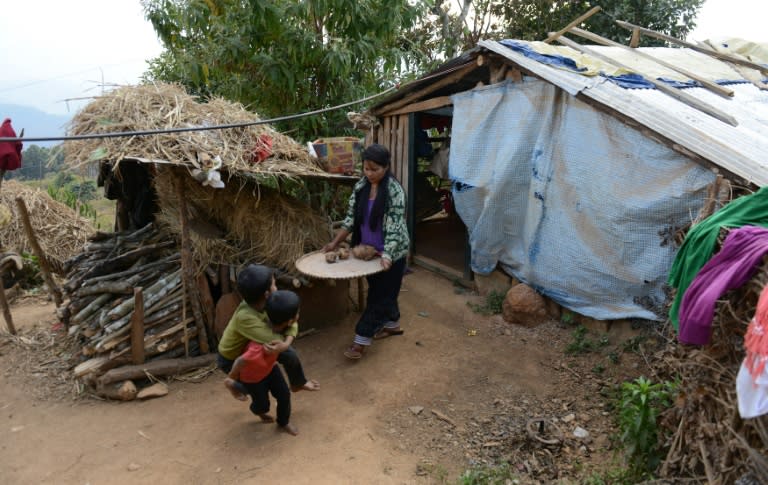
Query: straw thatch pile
x=60, y=231
x=164, y=106
x=243, y=222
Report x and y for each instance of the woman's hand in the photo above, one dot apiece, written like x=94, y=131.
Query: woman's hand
x=331, y=246
x=386, y=263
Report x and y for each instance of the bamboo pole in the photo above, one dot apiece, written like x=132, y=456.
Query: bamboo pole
x=187, y=270
x=137, y=327
x=6, y=311
x=45, y=268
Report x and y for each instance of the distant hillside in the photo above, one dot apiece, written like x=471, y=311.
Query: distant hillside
x=36, y=123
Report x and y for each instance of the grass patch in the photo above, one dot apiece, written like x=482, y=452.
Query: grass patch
x=491, y=306
x=582, y=344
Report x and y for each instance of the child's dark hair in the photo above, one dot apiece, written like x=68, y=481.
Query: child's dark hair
x=282, y=305
x=253, y=281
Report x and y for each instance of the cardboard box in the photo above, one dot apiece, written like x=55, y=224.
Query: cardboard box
x=340, y=155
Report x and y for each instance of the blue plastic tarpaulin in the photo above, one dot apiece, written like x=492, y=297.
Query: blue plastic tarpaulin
x=568, y=199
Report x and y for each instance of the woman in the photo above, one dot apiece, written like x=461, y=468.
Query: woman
x=376, y=216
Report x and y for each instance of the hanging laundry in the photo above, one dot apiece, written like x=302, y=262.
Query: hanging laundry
x=700, y=241
x=10, y=151
x=734, y=265
x=752, y=380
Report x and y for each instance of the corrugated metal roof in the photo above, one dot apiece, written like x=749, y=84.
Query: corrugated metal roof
x=741, y=150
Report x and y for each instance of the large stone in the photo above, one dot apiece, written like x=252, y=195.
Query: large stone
x=497, y=281
x=524, y=306
x=157, y=389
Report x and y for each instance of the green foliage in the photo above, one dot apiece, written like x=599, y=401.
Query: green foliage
x=492, y=305
x=72, y=200
x=281, y=57
x=582, y=344
x=488, y=475
x=30, y=275
x=640, y=403
x=533, y=20
x=38, y=162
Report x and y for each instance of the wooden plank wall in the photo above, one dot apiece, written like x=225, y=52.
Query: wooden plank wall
x=393, y=134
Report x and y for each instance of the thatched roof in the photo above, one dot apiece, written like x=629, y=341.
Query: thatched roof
x=60, y=231
x=165, y=106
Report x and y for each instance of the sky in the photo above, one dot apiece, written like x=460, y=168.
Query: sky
x=54, y=50
x=57, y=50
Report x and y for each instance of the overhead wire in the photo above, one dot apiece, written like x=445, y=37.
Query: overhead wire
x=118, y=134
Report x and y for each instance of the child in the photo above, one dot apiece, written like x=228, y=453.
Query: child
x=249, y=323
x=256, y=371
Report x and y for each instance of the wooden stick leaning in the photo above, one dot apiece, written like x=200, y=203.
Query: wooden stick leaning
x=45, y=267
x=709, y=52
x=672, y=92
x=553, y=36
x=711, y=86
x=6, y=311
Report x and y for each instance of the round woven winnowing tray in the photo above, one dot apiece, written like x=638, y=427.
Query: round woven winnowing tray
x=315, y=265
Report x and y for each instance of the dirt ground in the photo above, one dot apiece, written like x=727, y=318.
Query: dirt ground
x=459, y=389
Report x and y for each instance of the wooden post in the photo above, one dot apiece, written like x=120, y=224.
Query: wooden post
x=45, y=268
x=635, y=40
x=137, y=327
x=6, y=311
x=187, y=269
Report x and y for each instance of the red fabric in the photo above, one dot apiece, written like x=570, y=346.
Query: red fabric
x=263, y=149
x=10, y=151
x=258, y=364
x=756, y=339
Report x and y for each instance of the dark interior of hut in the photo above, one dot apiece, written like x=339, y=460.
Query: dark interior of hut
x=440, y=236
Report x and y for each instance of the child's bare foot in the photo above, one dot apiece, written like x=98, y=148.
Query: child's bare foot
x=310, y=385
x=229, y=383
x=266, y=418
x=290, y=429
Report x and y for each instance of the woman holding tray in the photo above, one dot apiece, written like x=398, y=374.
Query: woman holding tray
x=376, y=217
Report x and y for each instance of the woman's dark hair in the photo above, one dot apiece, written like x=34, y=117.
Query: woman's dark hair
x=253, y=281
x=282, y=305
x=378, y=154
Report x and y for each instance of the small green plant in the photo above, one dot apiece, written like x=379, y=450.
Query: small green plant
x=598, y=369
x=487, y=475
x=613, y=357
x=633, y=344
x=566, y=317
x=492, y=305
x=582, y=344
x=641, y=402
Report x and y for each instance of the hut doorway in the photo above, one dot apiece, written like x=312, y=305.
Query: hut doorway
x=440, y=240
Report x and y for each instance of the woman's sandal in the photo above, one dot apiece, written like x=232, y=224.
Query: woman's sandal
x=387, y=332
x=354, y=352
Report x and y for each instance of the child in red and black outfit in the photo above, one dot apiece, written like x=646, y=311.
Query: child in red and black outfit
x=255, y=369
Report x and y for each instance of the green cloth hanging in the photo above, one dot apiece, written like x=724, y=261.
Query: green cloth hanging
x=699, y=244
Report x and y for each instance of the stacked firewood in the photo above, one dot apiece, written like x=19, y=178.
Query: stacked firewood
x=101, y=285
